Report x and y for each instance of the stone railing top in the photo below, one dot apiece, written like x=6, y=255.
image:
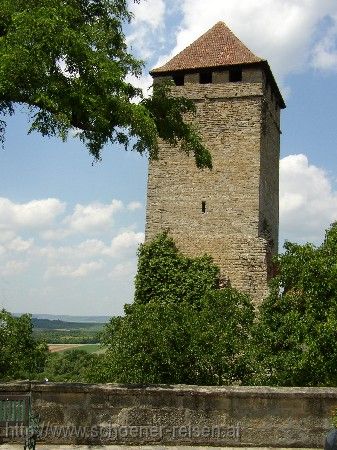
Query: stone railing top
x=178, y=389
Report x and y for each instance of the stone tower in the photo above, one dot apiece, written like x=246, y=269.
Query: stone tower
x=230, y=212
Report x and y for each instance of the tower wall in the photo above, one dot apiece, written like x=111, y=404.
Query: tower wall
x=229, y=211
x=270, y=155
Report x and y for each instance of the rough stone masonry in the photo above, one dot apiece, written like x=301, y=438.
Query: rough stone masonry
x=230, y=212
x=222, y=416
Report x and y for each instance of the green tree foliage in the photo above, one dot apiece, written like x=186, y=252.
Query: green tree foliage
x=72, y=366
x=296, y=336
x=165, y=275
x=21, y=356
x=68, y=62
x=180, y=328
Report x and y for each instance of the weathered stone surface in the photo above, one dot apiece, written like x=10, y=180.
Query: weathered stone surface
x=127, y=447
x=240, y=124
x=180, y=415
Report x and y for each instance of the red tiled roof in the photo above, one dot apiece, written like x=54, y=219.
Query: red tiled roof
x=217, y=47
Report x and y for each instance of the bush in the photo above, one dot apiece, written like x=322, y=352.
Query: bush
x=164, y=274
x=295, y=340
x=180, y=329
x=73, y=366
x=21, y=356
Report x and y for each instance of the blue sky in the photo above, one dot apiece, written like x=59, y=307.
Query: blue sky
x=69, y=229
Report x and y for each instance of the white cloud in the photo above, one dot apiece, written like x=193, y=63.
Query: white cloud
x=13, y=267
x=61, y=261
x=83, y=250
x=82, y=247
x=124, y=241
x=6, y=235
x=86, y=268
x=133, y=206
x=91, y=247
x=68, y=271
x=291, y=34
x=33, y=214
x=120, y=246
x=308, y=203
x=148, y=21
x=93, y=217
x=55, y=234
x=281, y=31
x=126, y=269
x=324, y=54
x=90, y=218
x=150, y=12
x=19, y=245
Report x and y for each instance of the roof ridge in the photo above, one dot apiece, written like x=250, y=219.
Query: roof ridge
x=217, y=47
x=223, y=24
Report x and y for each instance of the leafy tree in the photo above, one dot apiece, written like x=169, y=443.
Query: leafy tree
x=180, y=329
x=162, y=342
x=296, y=336
x=21, y=356
x=68, y=62
x=164, y=274
x=72, y=365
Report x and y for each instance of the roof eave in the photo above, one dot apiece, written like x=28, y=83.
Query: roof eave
x=274, y=84
x=263, y=62
x=163, y=71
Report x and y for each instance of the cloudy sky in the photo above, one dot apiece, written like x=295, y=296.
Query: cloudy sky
x=69, y=229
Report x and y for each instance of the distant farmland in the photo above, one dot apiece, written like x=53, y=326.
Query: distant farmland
x=89, y=348
x=61, y=332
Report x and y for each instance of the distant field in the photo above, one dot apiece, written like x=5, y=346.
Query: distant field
x=89, y=348
x=67, y=333
x=62, y=347
x=47, y=324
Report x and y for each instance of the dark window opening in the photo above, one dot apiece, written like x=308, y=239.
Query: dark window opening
x=203, y=207
x=235, y=74
x=205, y=77
x=178, y=79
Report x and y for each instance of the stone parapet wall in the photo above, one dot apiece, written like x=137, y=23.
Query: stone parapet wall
x=219, y=91
x=180, y=415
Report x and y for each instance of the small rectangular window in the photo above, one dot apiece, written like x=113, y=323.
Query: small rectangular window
x=205, y=77
x=178, y=79
x=235, y=74
x=203, y=207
